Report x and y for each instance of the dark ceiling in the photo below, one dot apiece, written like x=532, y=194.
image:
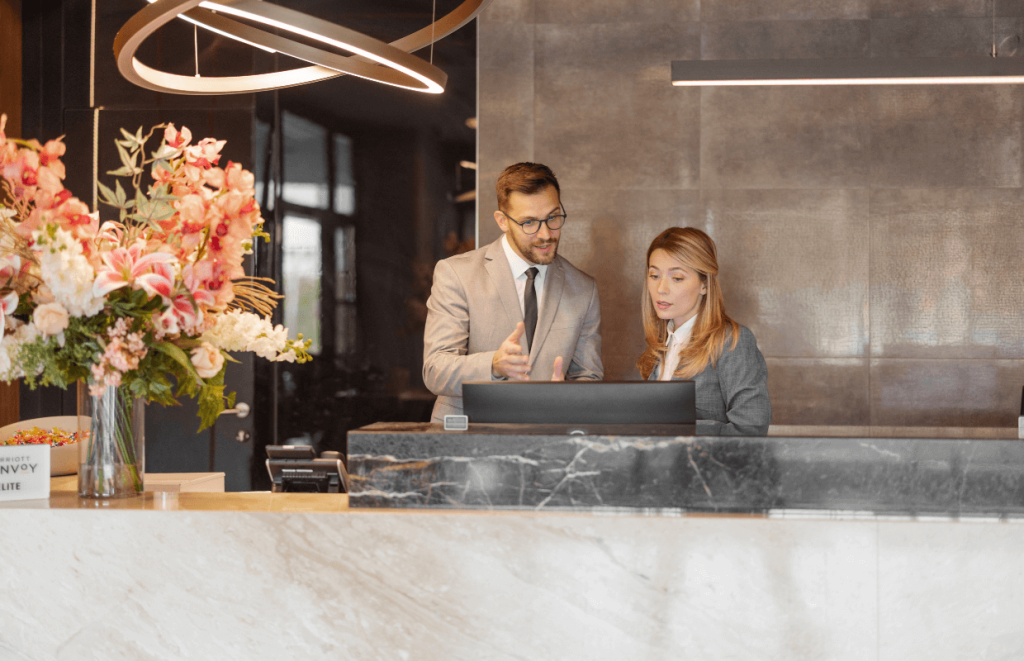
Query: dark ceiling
x=351, y=99
x=347, y=100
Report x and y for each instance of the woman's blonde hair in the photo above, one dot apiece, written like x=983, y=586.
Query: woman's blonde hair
x=693, y=249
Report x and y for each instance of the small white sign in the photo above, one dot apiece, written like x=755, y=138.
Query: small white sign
x=456, y=423
x=24, y=472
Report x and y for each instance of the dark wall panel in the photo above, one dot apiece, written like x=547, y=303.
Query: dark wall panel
x=72, y=88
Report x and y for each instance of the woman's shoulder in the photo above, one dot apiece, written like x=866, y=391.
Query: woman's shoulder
x=745, y=342
x=742, y=358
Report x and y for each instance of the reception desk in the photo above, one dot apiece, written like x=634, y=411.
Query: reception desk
x=302, y=576
x=837, y=473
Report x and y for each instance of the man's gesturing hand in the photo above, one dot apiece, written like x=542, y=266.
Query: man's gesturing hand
x=557, y=374
x=509, y=360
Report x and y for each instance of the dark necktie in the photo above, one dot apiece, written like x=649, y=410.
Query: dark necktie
x=530, y=305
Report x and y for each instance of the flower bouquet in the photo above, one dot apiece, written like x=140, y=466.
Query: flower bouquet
x=125, y=305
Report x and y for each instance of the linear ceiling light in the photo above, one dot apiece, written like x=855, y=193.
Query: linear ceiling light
x=869, y=71
x=391, y=64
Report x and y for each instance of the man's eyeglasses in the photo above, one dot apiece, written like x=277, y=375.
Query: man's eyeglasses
x=553, y=222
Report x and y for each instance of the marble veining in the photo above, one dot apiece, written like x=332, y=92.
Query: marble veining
x=476, y=585
x=411, y=465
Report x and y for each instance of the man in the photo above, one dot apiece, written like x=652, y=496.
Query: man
x=513, y=309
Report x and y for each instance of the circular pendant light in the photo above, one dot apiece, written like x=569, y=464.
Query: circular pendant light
x=391, y=64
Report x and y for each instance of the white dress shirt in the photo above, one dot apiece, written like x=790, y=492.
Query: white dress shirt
x=677, y=340
x=519, y=268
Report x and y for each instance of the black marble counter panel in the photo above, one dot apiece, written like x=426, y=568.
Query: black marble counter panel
x=416, y=465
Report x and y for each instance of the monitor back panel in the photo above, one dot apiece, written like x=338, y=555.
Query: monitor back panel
x=580, y=402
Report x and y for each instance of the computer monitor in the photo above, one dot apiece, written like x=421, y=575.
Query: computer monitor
x=580, y=402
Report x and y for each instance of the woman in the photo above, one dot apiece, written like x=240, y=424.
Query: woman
x=689, y=335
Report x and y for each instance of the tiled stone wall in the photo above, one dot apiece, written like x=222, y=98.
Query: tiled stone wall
x=871, y=237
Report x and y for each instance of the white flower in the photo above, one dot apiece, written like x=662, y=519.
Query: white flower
x=5, y=360
x=208, y=360
x=51, y=319
x=67, y=272
x=10, y=346
x=26, y=333
x=287, y=357
x=245, y=331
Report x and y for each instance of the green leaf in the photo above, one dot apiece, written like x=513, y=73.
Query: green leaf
x=126, y=160
x=120, y=196
x=108, y=195
x=120, y=172
x=211, y=400
x=180, y=357
x=165, y=152
x=130, y=140
x=25, y=305
x=141, y=202
x=161, y=211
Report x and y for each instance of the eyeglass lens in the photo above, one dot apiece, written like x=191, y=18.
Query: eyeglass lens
x=553, y=223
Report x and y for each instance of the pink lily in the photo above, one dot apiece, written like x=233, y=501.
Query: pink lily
x=111, y=230
x=123, y=267
x=8, y=304
x=10, y=266
x=161, y=280
x=189, y=309
x=187, y=314
x=191, y=280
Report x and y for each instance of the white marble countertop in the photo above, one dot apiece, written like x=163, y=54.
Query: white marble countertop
x=298, y=576
x=64, y=495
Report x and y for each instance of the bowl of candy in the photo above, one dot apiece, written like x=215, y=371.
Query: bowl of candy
x=59, y=432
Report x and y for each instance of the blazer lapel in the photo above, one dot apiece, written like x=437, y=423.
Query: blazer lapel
x=555, y=283
x=501, y=275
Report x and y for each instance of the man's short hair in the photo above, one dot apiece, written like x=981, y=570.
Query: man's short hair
x=525, y=178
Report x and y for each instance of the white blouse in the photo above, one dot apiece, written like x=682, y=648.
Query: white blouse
x=677, y=340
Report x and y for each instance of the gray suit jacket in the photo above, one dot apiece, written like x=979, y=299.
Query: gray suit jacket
x=733, y=395
x=473, y=307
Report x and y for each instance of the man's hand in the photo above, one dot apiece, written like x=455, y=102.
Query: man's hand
x=557, y=374
x=509, y=360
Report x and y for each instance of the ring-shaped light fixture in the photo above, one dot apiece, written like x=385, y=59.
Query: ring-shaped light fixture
x=391, y=64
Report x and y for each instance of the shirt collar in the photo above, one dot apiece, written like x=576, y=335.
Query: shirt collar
x=681, y=332
x=518, y=264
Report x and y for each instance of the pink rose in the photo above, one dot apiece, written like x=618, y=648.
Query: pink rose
x=42, y=295
x=208, y=360
x=167, y=323
x=51, y=318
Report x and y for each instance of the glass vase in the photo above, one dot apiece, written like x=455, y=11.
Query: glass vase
x=111, y=453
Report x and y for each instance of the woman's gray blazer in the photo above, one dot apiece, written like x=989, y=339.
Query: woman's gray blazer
x=732, y=396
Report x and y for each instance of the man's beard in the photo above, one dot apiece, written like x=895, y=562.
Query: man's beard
x=537, y=258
